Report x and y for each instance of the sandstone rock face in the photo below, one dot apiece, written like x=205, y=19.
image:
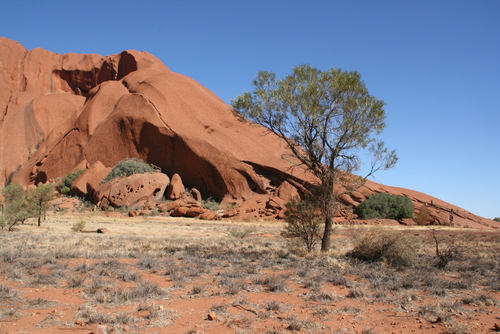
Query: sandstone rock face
x=287, y=192
x=132, y=191
x=58, y=112
x=89, y=179
x=176, y=188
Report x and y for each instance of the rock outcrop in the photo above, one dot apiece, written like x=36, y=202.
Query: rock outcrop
x=58, y=112
x=133, y=191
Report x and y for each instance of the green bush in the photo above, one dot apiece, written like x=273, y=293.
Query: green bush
x=65, y=185
x=391, y=247
x=386, y=206
x=128, y=167
x=210, y=204
x=497, y=219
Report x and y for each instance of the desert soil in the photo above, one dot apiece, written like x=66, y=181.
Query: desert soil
x=165, y=275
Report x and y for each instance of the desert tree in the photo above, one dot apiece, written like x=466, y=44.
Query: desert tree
x=39, y=199
x=325, y=118
x=15, y=207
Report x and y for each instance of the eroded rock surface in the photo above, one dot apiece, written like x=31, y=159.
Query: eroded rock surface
x=132, y=191
x=58, y=112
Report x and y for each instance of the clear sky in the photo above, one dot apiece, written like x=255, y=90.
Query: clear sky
x=436, y=63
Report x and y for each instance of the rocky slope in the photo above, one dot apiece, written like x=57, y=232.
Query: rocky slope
x=59, y=112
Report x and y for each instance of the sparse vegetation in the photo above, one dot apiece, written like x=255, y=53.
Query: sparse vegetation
x=16, y=208
x=324, y=117
x=387, y=206
x=241, y=232
x=305, y=221
x=211, y=204
x=79, y=226
x=128, y=167
x=128, y=279
x=391, y=247
x=447, y=249
x=423, y=216
x=65, y=185
x=38, y=200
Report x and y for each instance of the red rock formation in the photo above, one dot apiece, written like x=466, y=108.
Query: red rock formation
x=175, y=189
x=133, y=191
x=59, y=110
x=62, y=111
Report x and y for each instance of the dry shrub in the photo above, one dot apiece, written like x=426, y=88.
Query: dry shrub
x=305, y=220
x=392, y=247
x=423, y=217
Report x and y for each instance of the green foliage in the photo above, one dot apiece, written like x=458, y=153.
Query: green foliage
x=386, y=206
x=65, y=185
x=324, y=117
x=392, y=247
x=210, y=204
x=128, y=167
x=16, y=207
x=497, y=219
x=79, y=226
x=305, y=220
x=39, y=198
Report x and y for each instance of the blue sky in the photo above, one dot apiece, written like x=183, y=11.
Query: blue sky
x=435, y=63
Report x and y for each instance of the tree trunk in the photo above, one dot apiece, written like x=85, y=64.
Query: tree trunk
x=328, y=200
x=325, y=241
x=39, y=217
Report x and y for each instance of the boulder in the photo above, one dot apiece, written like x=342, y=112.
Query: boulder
x=275, y=203
x=209, y=215
x=169, y=206
x=195, y=211
x=347, y=200
x=196, y=195
x=357, y=196
x=179, y=211
x=89, y=180
x=287, y=192
x=176, y=188
x=132, y=191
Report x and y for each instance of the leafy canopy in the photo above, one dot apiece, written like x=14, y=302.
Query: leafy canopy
x=15, y=207
x=39, y=199
x=387, y=206
x=325, y=118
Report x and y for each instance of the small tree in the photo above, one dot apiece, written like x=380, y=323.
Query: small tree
x=16, y=208
x=497, y=219
x=305, y=220
x=39, y=199
x=324, y=117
